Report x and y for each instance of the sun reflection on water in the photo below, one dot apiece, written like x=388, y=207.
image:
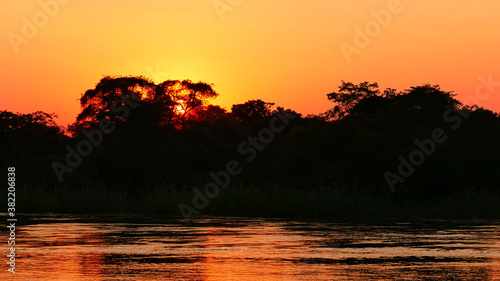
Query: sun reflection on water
x=252, y=249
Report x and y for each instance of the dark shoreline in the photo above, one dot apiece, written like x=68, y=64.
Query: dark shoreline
x=259, y=202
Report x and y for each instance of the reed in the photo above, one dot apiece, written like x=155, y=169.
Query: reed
x=261, y=201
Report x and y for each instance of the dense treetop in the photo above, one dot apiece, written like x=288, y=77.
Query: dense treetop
x=169, y=133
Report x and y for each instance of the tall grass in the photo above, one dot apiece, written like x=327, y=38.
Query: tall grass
x=269, y=201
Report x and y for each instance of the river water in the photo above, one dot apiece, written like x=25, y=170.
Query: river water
x=62, y=247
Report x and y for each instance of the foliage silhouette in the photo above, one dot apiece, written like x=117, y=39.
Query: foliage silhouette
x=348, y=96
x=171, y=137
x=252, y=111
x=166, y=104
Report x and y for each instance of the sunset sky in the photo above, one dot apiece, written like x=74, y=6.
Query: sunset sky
x=287, y=52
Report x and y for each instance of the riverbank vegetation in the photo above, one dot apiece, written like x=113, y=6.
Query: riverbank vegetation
x=332, y=202
x=141, y=147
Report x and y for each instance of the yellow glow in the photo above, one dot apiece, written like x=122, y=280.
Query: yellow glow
x=284, y=53
x=180, y=108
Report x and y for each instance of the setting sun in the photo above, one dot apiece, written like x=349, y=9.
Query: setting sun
x=292, y=55
x=250, y=140
x=180, y=108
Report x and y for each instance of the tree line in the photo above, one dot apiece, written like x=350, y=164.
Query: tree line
x=169, y=134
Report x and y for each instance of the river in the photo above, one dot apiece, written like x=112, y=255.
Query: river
x=111, y=247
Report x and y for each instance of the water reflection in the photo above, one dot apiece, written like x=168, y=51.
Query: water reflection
x=216, y=248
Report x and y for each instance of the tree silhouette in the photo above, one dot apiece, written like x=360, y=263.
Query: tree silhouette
x=209, y=113
x=167, y=134
x=186, y=96
x=252, y=111
x=38, y=120
x=348, y=96
x=110, y=96
x=427, y=97
x=166, y=104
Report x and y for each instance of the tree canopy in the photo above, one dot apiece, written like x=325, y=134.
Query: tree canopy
x=166, y=104
x=169, y=133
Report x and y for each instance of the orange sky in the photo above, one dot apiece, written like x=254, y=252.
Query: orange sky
x=287, y=52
